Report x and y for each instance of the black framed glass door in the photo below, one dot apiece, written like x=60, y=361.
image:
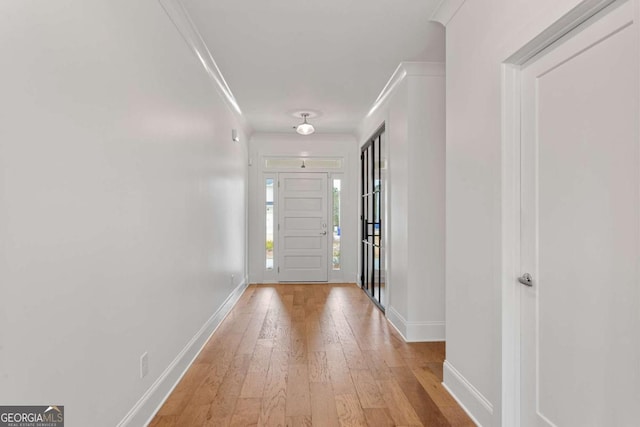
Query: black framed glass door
x=372, y=267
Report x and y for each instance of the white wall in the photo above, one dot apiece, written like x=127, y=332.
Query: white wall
x=413, y=113
x=480, y=37
x=122, y=203
x=293, y=145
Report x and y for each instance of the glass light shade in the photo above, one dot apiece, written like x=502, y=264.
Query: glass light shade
x=305, y=129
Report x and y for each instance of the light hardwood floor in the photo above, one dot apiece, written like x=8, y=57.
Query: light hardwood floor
x=311, y=354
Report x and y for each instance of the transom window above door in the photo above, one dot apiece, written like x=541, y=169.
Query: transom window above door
x=302, y=163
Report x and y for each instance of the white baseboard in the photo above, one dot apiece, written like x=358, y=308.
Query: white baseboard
x=416, y=331
x=144, y=410
x=478, y=407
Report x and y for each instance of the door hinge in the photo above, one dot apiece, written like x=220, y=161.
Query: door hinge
x=278, y=270
x=278, y=227
x=278, y=184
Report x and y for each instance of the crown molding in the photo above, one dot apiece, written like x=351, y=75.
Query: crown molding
x=434, y=69
x=404, y=69
x=446, y=10
x=184, y=24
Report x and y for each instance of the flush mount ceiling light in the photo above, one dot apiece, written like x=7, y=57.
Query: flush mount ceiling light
x=304, y=128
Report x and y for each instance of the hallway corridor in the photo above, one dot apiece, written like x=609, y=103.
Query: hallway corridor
x=312, y=354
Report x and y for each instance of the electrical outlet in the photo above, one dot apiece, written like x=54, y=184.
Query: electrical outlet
x=144, y=365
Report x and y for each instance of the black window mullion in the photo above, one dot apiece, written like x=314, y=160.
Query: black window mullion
x=371, y=218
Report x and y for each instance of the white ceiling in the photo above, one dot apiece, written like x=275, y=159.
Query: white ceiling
x=331, y=56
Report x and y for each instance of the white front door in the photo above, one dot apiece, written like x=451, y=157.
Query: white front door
x=302, y=219
x=580, y=233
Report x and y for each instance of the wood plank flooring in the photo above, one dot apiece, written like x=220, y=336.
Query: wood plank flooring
x=311, y=355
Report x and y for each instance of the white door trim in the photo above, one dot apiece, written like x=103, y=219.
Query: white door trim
x=510, y=209
x=510, y=244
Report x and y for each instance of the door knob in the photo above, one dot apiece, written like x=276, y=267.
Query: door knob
x=323, y=233
x=526, y=279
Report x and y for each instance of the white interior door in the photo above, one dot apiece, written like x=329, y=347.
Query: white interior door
x=580, y=213
x=302, y=249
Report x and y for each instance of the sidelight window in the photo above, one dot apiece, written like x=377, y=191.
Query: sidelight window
x=337, y=230
x=269, y=223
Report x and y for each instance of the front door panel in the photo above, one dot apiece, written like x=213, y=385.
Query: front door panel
x=303, y=227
